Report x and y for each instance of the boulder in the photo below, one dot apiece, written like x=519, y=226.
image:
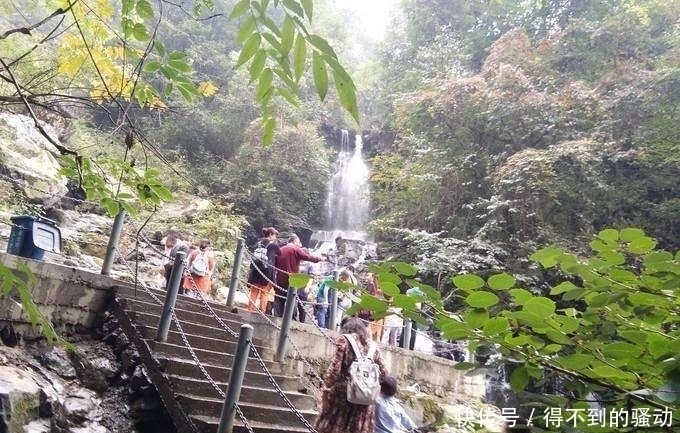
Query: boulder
x=19, y=399
x=27, y=155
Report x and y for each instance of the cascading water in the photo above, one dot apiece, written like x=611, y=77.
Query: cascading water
x=348, y=199
x=347, y=203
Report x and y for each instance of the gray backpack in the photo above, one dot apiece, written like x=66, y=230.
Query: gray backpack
x=363, y=385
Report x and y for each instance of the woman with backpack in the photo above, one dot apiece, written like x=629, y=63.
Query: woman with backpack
x=200, y=266
x=262, y=270
x=338, y=415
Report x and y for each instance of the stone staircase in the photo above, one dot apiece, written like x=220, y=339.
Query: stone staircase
x=189, y=397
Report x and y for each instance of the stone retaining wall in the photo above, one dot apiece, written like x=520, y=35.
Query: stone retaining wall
x=71, y=297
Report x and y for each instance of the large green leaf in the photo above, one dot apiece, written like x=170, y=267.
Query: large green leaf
x=320, y=75
x=609, y=235
x=404, y=268
x=308, y=6
x=287, y=35
x=641, y=245
x=257, y=65
x=496, y=325
x=294, y=7
x=249, y=49
x=547, y=257
x=299, y=56
x=519, y=378
x=322, y=45
x=476, y=317
x=239, y=9
x=482, y=299
x=389, y=288
x=468, y=282
x=621, y=350
x=264, y=85
x=565, y=286
x=298, y=280
x=346, y=91
x=144, y=9
x=501, y=281
x=630, y=234
x=454, y=330
x=521, y=295
x=539, y=305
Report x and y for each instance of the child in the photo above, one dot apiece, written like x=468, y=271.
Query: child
x=389, y=415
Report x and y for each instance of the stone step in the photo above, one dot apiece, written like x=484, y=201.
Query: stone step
x=194, y=314
x=188, y=368
x=198, y=341
x=193, y=324
x=183, y=302
x=167, y=350
x=208, y=424
x=212, y=407
x=251, y=394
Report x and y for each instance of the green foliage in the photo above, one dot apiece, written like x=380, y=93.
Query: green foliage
x=609, y=328
x=130, y=190
x=268, y=47
x=18, y=284
x=283, y=185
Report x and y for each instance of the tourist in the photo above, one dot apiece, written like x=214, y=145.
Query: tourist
x=344, y=300
x=389, y=414
x=262, y=275
x=199, y=270
x=288, y=262
x=374, y=326
x=337, y=414
x=322, y=301
x=175, y=244
x=392, y=325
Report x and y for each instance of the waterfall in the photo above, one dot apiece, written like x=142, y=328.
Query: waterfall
x=348, y=200
x=347, y=207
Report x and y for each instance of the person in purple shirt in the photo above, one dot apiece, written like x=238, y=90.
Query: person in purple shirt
x=389, y=414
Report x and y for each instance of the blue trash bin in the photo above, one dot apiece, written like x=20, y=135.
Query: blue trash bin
x=32, y=236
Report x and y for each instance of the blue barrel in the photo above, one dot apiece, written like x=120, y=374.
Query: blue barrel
x=31, y=237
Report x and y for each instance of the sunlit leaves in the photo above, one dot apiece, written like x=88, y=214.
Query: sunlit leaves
x=298, y=280
x=286, y=42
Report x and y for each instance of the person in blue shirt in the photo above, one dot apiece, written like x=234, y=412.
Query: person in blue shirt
x=389, y=414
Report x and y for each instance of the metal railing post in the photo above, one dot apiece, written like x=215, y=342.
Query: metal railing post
x=171, y=296
x=238, y=258
x=332, y=316
x=291, y=301
x=116, y=229
x=238, y=369
x=406, y=334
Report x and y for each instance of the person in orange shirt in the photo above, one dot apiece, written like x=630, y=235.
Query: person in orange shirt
x=200, y=267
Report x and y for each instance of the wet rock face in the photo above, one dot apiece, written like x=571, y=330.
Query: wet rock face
x=99, y=386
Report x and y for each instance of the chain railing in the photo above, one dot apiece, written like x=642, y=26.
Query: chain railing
x=257, y=356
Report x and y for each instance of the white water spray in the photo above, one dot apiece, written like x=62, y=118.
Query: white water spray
x=348, y=202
